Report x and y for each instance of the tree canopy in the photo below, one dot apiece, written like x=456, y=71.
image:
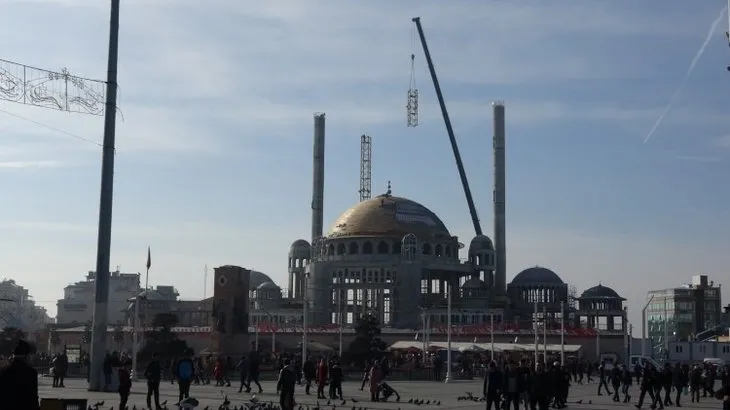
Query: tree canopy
x=162, y=340
x=367, y=344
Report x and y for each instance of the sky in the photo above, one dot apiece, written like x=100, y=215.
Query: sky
x=214, y=134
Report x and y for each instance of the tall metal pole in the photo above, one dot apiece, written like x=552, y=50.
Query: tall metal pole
x=103, y=249
x=544, y=333
x=666, y=326
x=598, y=337
x=135, y=340
x=562, y=333
x=643, y=325
x=491, y=334
x=534, y=328
x=448, y=334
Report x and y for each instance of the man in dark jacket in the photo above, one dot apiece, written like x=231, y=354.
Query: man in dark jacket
x=19, y=381
x=285, y=386
x=310, y=373
x=153, y=373
x=493, y=386
x=539, y=388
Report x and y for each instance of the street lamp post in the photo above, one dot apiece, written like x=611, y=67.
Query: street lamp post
x=448, y=335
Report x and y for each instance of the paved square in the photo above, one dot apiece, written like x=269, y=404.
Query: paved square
x=447, y=394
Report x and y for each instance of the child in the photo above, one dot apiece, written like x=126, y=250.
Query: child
x=125, y=384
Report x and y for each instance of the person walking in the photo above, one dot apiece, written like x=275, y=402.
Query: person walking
x=285, y=386
x=185, y=373
x=153, y=374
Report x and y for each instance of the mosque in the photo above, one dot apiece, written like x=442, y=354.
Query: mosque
x=395, y=259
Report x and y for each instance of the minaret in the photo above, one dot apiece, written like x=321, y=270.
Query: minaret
x=318, y=178
x=500, y=248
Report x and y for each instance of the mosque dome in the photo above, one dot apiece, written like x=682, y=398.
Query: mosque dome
x=257, y=278
x=300, y=248
x=481, y=242
x=537, y=275
x=600, y=292
x=390, y=216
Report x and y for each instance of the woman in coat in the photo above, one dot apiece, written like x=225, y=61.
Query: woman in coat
x=376, y=376
x=322, y=374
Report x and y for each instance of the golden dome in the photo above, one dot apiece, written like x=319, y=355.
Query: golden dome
x=390, y=216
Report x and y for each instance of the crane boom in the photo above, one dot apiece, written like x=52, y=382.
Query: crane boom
x=449, y=129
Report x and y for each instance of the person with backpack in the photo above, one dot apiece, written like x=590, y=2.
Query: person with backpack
x=185, y=373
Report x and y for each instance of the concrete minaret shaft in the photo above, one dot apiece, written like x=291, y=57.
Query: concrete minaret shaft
x=500, y=273
x=318, y=178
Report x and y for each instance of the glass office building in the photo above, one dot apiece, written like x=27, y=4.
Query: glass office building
x=679, y=314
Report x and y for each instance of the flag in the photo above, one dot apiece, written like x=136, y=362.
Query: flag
x=149, y=258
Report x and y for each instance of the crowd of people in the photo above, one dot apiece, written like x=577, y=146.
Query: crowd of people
x=543, y=386
x=508, y=382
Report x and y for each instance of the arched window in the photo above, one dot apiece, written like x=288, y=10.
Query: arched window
x=382, y=247
x=341, y=249
x=438, y=250
x=426, y=249
x=367, y=248
x=331, y=249
x=353, y=248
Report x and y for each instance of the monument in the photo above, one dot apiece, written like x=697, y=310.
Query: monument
x=229, y=334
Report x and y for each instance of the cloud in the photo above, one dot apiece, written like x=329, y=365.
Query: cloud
x=203, y=79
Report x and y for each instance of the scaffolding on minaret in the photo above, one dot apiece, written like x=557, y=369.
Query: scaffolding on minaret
x=412, y=106
x=366, y=155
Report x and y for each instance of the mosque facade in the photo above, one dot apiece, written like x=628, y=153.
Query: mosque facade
x=395, y=259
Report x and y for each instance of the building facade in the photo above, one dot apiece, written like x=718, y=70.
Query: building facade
x=77, y=305
x=18, y=309
x=680, y=314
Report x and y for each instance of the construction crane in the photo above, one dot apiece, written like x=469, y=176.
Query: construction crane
x=366, y=156
x=449, y=129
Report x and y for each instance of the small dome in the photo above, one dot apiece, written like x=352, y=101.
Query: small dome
x=300, y=249
x=480, y=243
x=600, y=291
x=256, y=278
x=474, y=283
x=537, y=275
x=300, y=243
x=268, y=285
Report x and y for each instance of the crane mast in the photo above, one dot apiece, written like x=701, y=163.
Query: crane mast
x=449, y=129
x=366, y=160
